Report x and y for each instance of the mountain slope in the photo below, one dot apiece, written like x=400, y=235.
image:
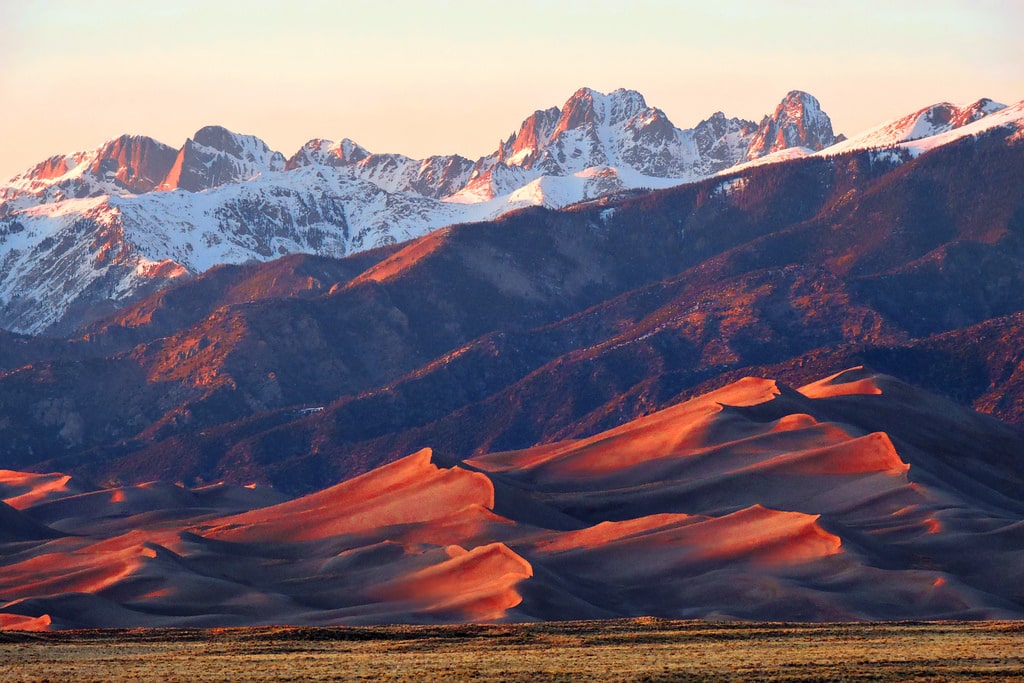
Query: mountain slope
x=932, y=126
x=129, y=163
x=927, y=122
x=80, y=258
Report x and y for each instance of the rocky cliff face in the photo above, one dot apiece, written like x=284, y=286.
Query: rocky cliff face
x=130, y=164
x=434, y=177
x=215, y=156
x=798, y=121
x=138, y=164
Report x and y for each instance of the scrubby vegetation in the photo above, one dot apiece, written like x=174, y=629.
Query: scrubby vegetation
x=634, y=650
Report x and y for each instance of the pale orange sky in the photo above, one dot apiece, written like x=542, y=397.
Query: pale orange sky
x=438, y=77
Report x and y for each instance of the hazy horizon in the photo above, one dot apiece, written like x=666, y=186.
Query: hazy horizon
x=418, y=80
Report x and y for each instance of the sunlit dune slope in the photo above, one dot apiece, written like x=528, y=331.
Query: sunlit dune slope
x=21, y=489
x=756, y=501
x=410, y=490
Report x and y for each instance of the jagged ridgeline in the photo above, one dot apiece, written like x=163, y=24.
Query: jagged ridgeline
x=83, y=234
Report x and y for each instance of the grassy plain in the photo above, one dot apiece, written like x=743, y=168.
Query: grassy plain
x=625, y=650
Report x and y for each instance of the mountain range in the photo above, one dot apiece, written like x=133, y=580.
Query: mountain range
x=84, y=233
x=589, y=381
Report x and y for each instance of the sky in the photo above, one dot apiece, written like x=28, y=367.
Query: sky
x=454, y=76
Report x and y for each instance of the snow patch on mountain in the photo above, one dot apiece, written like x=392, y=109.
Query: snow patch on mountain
x=934, y=120
x=780, y=156
x=81, y=253
x=1011, y=118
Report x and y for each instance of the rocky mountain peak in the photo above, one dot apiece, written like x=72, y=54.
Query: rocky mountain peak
x=974, y=111
x=215, y=156
x=718, y=124
x=798, y=121
x=579, y=110
x=588, y=107
x=619, y=130
x=247, y=148
x=135, y=162
x=624, y=104
x=129, y=164
x=219, y=138
x=328, y=153
x=523, y=147
x=350, y=151
x=49, y=169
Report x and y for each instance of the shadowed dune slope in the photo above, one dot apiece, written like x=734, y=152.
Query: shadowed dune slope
x=755, y=501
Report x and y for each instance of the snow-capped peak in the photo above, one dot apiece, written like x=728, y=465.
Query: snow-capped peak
x=926, y=122
x=1011, y=119
x=123, y=165
x=215, y=156
x=620, y=131
x=588, y=107
x=328, y=153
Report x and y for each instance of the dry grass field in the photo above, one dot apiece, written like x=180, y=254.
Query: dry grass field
x=628, y=650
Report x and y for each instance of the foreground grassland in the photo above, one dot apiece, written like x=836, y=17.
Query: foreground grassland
x=631, y=650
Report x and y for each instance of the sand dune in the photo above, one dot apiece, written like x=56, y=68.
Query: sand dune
x=853, y=381
x=16, y=526
x=22, y=489
x=474, y=585
x=755, y=501
x=688, y=426
x=706, y=457
x=753, y=535
x=871, y=453
x=410, y=490
x=18, y=622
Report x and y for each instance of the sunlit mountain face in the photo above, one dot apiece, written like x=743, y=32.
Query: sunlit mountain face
x=344, y=387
